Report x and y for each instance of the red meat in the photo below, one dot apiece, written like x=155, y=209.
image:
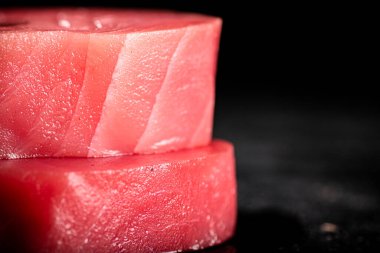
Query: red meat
x=147, y=203
x=89, y=83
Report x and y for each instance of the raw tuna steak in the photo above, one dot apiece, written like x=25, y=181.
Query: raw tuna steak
x=89, y=83
x=182, y=200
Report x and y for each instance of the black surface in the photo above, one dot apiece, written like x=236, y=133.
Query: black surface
x=302, y=162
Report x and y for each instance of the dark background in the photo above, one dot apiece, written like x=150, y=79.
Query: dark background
x=296, y=95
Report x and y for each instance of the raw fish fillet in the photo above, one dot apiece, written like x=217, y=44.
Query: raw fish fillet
x=184, y=200
x=94, y=83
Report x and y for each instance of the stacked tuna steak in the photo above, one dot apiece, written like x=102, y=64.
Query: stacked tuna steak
x=133, y=87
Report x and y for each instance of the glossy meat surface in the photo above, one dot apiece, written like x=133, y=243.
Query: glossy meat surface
x=94, y=83
x=182, y=200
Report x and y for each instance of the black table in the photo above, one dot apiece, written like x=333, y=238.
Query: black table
x=308, y=171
